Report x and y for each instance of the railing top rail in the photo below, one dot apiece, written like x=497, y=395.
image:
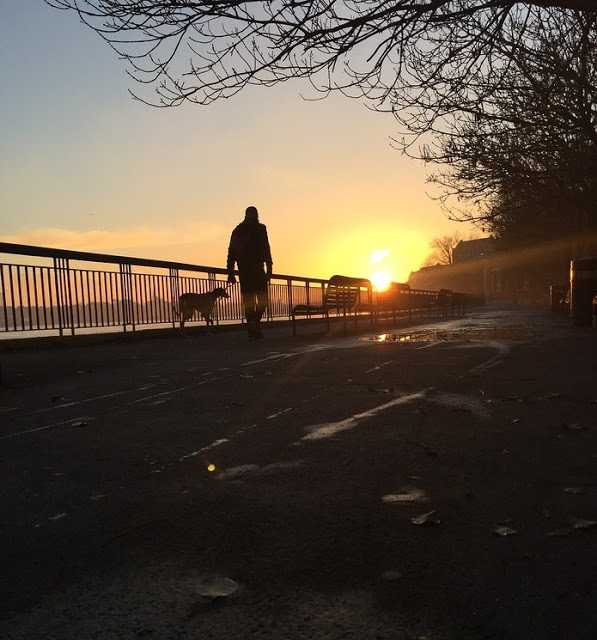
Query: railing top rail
x=48, y=252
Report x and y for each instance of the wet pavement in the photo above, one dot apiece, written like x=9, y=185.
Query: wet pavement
x=433, y=481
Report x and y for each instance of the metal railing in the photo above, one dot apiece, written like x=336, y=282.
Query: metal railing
x=63, y=291
x=67, y=291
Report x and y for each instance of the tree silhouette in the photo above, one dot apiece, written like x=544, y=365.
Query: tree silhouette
x=416, y=58
x=442, y=249
x=525, y=165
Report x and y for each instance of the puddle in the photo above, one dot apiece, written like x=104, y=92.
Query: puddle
x=472, y=333
x=459, y=333
x=391, y=337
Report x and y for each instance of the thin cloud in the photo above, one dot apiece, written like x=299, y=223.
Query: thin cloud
x=119, y=240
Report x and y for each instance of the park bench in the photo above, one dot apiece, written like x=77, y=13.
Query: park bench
x=343, y=295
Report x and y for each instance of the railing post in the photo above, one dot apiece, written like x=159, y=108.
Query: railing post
x=308, y=299
x=4, y=305
x=290, y=305
x=131, y=280
x=58, y=296
x=63, y=295
x=125, y=292
x=326, y=311
x=69, y=296
x=268, y=308
x=174, y=293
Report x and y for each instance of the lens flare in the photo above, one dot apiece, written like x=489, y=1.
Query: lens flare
x=211, y=467
x=378, y=255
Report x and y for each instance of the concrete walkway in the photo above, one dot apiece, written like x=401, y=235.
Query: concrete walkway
x=131, y=470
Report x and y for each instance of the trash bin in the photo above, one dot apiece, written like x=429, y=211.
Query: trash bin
x=583, y=287
x=557, y=293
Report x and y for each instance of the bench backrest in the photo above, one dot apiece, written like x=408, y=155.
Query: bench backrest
x=343, y=292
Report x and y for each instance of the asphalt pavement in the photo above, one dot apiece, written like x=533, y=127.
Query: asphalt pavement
x=432, y=481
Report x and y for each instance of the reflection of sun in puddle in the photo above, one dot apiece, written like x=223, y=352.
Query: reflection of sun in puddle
x=391, y=337
x=467, y=334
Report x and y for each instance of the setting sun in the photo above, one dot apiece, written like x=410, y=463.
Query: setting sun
x=381, y=280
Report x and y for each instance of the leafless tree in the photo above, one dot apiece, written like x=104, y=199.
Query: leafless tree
x=415, y=57
x=442, y=249
x=525, y=165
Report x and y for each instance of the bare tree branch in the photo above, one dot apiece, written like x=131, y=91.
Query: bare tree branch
x=380, y=50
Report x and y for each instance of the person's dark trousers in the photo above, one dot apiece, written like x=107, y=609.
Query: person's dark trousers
x=254, y=304
x=253, y=287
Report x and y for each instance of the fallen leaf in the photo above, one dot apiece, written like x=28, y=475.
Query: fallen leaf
x=215, y=586
x=573, y=427
x=581, y=523
x=425, y=519
x=58, y=516
x=406, y=495
x=504, y=531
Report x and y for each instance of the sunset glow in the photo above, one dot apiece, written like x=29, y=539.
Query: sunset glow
x=381, y=277
x=378, y=255
x=341, y=202
x=381, y=280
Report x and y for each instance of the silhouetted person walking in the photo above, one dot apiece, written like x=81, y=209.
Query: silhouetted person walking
x=249, y=248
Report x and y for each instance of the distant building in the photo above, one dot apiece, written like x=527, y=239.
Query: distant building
x=472, y=270
x=482, y=267
x=473, y=249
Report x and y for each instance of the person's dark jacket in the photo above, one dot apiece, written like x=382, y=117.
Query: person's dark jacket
x=249, y=248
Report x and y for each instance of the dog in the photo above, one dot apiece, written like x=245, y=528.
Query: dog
x=204, y=303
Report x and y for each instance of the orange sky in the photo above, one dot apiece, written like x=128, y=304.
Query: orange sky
x=83, y=166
